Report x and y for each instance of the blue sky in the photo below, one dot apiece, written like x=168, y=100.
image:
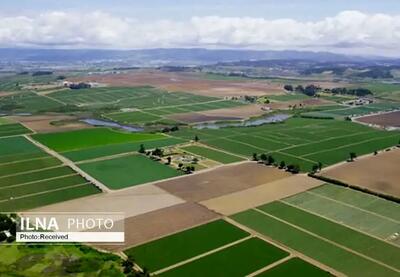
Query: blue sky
x=183, y=9
x=344, y=26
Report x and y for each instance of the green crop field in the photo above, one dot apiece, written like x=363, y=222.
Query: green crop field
x=363, y=212
x=138, y=97
x=32, y=178
x=184, y=245
x=301, y=141
x=27, y=102
x=4, y=120
x=237, y=260
x=87, y=138
x=297, y=265
x=128, y=171
x=114, y=149
x=212, y=154
x=359, y=242
x=332, y=254
x=13, y=130
x=288, y=97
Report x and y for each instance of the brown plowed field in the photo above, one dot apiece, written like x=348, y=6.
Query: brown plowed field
x=221, y=181
x=42, y=123
x=189, y=82
x=146, y=227
x=385, y=120
x=378, y=173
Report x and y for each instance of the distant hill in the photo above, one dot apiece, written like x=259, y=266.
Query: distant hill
x=171, y=56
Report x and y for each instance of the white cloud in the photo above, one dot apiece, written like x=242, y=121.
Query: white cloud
x=348, y=31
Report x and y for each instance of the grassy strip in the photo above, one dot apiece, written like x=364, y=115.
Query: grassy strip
x=175, y=248
x=320, y=250
x=238, y=260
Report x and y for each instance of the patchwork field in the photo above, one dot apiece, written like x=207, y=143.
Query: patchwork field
x=355, y=111
x=378, y=173
x=172, y=112
x=363, y=212
x=214, y=248
x=27, y=102
x=128, y=171
x=199, y=84
x=335, y=226
x=304, y=142
x=30, y=178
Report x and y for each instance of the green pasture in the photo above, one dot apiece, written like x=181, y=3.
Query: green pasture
x=128, y=171
x=312, y=246
x=13, y=130
x=238, y=260
x=212, y=154
x=88, y=138
x=184, y=245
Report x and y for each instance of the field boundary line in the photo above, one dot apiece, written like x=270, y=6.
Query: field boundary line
x=27, y=160
x=218, y=249
x=38, y=181
x=212, y=148
x=327, y=240
x=283, y=247
x=70, y=164
x=31, y=171
x=354, y=207
x=297, y=157
x=339, y=223
x=44, y=192
x=274, y=264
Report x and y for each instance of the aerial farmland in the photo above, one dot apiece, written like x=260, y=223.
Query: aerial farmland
x=208, y=139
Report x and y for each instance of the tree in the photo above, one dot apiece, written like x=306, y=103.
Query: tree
x=352, y=156
x=263, y=157
x=158, y=152
x=196, y=138
x=282, y=164
x=319, y=166
x=288, y=87
x=180, y=165
x=255, y=158
x=169, y=160
x=142, y=149
x=314, y=168
x=270, y=160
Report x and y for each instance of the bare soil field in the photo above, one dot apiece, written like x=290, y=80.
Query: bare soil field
x=132, y=202
x=163, y=222
x=6, y=93
x=385, y=120
x=188, y=82
x=304, y=103
x=42, y=123
x=246, y=199
x=221, y=181
x=378, y=173
x=235, y=113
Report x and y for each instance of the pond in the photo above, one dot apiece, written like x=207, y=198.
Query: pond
x=97, y=122
x=248, y=123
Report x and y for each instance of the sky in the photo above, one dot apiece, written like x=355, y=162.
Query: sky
x=341, y=26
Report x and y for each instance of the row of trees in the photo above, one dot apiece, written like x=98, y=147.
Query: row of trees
x=312, y=90
x=269, y=160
